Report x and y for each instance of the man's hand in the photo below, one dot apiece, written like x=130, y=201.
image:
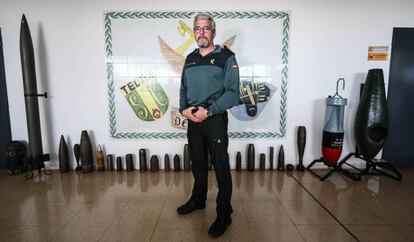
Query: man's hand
x=201, y=113
x=188, y=113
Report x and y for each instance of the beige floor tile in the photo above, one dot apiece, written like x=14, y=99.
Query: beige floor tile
x=179, y=232
x=12, y=213
x=271, y=232
x=377, y=233
x=407, y=231
x=374, y=192
x=55, y=213
x=258, y=196
x=196, y=232
x=291, y=192
x=325, y=233
x=308, y=212
x=28, y=232
x=4, y=230
x=279, y=178
x=267, y=181
x=383, y=180
x=331, y=192
x=126, y=231
x=392, y=203
x=259, y=213
x=147, y=190
x=236, y=234
x=353, y=213
x=37, y=213
x=81, y=232
x=394, y=213
x=179, y=193
x=142, y=212
x=66, y=187
x=99, y=213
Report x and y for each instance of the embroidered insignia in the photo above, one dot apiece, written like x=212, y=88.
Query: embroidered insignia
x=190, y=64
x=234, y=64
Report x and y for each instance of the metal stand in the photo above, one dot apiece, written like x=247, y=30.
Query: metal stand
x=36, y=162
x=29, y=175
x=371, y=168
x=356, y=176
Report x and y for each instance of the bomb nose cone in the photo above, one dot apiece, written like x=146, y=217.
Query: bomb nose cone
x=24, y=27
x=27, y=57
x=25, y=37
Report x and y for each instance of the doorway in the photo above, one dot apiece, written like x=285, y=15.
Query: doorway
x=5, y=132
x=398, y=148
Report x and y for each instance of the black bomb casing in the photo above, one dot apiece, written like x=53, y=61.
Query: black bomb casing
x=31, y=96
x=371, y=119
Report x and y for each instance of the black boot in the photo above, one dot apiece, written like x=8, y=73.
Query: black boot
x=220, y=225
x=190, y=206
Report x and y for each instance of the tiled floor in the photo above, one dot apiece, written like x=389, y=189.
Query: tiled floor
x=268, y=206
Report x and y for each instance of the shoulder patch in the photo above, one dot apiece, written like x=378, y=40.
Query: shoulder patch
x=234, y=64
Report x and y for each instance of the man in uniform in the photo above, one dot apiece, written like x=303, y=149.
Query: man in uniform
x=209, y=86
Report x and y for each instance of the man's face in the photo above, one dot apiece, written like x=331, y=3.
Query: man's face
x=203, y=33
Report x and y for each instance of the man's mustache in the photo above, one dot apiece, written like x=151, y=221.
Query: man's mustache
x=201, y=38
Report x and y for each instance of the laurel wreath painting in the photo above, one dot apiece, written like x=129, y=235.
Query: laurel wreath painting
x=150, y=102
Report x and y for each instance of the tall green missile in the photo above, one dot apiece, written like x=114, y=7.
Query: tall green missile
x=36, y=156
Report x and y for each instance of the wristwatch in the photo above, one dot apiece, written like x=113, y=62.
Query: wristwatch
x=209, y=113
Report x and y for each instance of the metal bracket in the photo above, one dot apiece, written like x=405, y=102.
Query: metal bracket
x=36, y=95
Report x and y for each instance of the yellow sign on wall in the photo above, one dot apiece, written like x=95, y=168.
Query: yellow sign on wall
x=377, y=53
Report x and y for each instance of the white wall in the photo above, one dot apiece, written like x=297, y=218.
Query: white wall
x=328, y=40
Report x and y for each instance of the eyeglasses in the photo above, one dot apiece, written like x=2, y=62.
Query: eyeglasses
x=205, y=28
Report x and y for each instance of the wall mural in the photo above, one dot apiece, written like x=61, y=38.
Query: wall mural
x=145, y=53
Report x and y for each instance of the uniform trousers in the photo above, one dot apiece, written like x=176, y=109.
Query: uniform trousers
x=211, y=136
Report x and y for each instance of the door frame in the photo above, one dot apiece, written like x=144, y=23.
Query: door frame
x=5, y=128
x=392, y=146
